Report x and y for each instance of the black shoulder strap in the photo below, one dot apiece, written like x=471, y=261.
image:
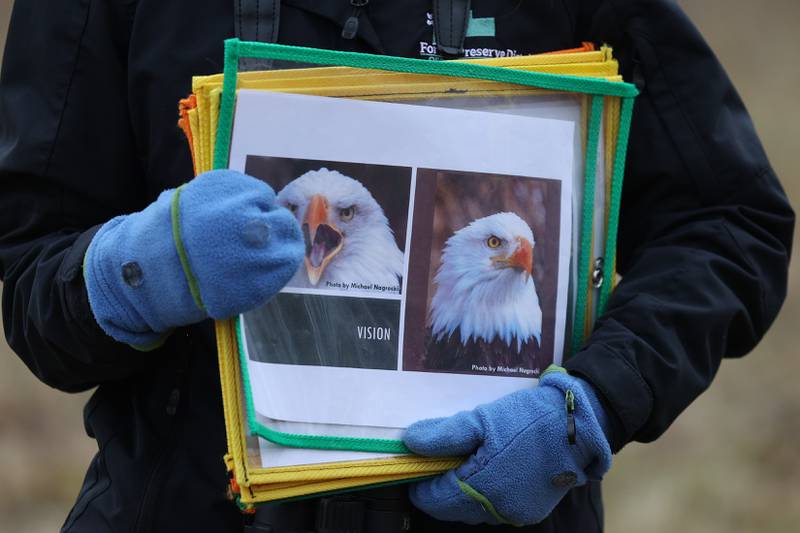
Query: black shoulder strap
x=450, y=19
x=256, y=20
x=259, y=20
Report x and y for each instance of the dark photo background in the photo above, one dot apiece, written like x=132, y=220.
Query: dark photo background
x=448, y=201
x=322, y=330
x=309, y=329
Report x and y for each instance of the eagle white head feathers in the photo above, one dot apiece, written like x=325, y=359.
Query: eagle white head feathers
x=347, y=235
x=484, y=287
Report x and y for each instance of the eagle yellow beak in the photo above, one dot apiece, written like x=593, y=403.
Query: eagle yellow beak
x=522, y=258
x=323, y=240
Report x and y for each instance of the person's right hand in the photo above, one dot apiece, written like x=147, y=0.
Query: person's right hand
x=215, y=247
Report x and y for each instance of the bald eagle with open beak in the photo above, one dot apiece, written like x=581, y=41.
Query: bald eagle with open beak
x=485, y=310
x=347, y=235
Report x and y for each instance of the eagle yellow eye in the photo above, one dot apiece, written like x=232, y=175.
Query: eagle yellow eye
x=494, y=242
x=347, y=214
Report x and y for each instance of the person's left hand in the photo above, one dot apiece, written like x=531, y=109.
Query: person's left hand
x=528, y=449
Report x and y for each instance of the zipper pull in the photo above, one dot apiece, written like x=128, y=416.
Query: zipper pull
x=572, y=432
x=598, y=273
x=350, y=28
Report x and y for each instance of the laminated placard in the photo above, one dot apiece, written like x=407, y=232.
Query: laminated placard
x=460, y=224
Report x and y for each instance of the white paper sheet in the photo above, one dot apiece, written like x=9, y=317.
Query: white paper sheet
x=374, y=133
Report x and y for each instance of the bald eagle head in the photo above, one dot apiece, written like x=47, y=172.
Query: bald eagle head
x=484, y=287
x=348, y=238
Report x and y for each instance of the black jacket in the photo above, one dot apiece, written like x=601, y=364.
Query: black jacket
x=87, y=131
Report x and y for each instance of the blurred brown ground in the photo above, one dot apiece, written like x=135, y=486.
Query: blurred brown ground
x=729, y=464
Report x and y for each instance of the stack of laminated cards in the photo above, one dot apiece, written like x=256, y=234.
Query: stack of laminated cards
x=460, y=223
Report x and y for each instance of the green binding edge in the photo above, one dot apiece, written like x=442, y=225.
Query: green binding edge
x=235, y=49
x=587, y=210
x=616, y=198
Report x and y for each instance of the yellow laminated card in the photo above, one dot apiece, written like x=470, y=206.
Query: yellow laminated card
x=417, y=159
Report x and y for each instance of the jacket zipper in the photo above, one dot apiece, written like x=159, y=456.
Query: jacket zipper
x=154, y=484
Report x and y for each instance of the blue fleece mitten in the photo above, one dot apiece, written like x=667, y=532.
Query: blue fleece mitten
x=215, y=247
x=526, y=453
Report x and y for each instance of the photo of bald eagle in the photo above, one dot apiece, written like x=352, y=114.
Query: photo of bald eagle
x=349, y=242
x=485, y=310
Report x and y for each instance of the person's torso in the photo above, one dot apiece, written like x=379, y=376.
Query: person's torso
x=160, y=466
x=173, y=41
